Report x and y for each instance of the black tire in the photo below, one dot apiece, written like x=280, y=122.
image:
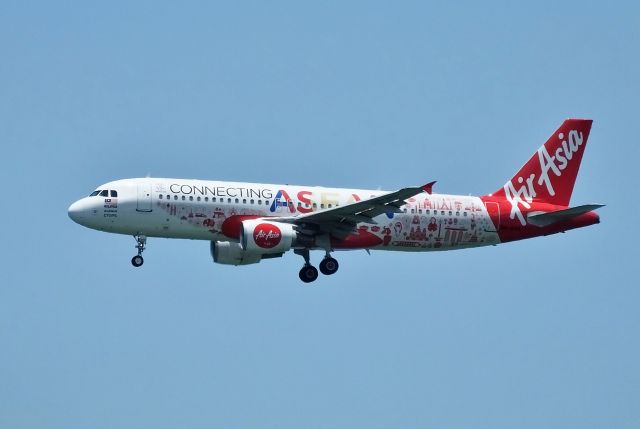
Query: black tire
x=308, y=273
x=329, y=266
x=137, y=261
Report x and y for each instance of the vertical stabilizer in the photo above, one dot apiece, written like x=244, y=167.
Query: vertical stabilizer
x=551, y=172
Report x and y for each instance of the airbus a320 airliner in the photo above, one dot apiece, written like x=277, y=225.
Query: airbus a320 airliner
x=249, y=222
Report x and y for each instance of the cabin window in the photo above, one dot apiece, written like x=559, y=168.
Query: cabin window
x=104, y=193
x=321, y=205
x=252, y=201
x=420, y=211
x=213, y=199
x=114, y=194
x=329, y=206
x=457, y=213
x=237, y=200
x=229, y=200
x=450, y=213
x=465, y=213
x=183, y=198
x=160, y=196
x=175, y=197
x=244, y=201
x=94, y=193
x=428, y=211
x=266, y=202
x=315, y=205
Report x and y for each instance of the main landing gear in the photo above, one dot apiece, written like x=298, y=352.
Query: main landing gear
x=309, y=273
x=141, y=241
x=328, y=265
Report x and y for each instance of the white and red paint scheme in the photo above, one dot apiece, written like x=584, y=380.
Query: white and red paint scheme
x=249, y=222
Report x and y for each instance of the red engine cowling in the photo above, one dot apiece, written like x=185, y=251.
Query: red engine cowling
x=261, y=236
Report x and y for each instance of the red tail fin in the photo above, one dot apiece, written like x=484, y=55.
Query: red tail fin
x=551, y=172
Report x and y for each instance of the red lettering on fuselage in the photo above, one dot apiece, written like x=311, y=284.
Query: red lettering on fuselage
x=304, y=199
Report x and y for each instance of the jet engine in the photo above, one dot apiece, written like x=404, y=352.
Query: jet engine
x=260, y=236
x=259, y=239
x=231, y=253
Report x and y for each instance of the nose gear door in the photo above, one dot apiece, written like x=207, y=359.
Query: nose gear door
x=144, y=197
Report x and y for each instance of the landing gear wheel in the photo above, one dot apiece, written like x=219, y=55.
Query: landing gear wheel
x=308, y=273
x=328, y=266
x=141, y=243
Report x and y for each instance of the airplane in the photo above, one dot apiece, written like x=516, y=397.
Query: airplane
x=249, y=222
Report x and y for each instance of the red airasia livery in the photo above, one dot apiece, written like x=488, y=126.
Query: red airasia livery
x=248, y=222
x=537, y=197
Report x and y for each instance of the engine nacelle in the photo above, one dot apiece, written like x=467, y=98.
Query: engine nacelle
x=259, y=239
x=264, y=237
x=231, y=253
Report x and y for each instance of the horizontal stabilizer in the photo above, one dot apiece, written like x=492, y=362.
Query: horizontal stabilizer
x=548, y=218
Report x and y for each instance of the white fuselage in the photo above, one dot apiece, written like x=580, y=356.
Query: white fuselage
x=204, y=210
x=246, y=223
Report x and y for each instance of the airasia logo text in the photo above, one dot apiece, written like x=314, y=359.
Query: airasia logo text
x=267, y=235
x=556, y=163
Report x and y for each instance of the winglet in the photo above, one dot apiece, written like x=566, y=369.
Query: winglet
x=428, y=188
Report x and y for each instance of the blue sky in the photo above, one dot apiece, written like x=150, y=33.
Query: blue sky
x=540, y=333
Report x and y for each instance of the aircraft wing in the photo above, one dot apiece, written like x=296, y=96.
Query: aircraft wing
x=342, y=220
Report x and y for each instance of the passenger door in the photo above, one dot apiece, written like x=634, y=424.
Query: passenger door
x=144, y=197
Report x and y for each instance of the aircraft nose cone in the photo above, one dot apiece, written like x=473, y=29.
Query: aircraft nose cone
x=76, y=212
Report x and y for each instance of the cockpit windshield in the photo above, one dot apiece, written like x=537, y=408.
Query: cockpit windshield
x=104, y=193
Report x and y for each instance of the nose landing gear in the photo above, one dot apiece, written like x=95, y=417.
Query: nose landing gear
x=141, y=242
